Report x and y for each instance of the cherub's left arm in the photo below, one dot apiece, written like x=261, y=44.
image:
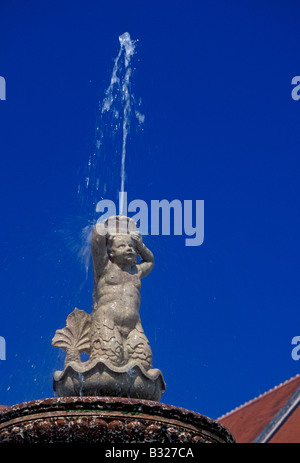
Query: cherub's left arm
x=147, y=263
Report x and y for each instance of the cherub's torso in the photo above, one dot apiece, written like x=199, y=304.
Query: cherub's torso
x=117, y=296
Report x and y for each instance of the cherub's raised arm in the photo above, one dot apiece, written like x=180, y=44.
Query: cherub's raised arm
x=99, y=250
x=147, y=264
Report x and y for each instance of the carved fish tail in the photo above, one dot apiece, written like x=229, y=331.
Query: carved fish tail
x=106, y=344
x=137, y=348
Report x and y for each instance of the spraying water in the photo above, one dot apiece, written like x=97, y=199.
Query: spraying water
x=121, y=86
x=112, y=129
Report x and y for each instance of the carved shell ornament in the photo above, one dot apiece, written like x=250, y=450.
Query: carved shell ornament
x=74, y=338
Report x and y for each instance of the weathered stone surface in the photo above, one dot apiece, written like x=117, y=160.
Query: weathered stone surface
x=107, y=419
x=120, y=357
x=100, y=378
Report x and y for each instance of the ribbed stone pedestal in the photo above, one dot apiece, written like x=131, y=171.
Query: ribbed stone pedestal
x=106, y=420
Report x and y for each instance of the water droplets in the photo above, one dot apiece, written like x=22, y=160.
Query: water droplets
x=112, y=127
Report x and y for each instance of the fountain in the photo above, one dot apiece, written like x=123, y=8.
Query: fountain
x=113, y=396
x=120, y=362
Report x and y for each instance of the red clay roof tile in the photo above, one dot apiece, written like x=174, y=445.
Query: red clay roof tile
x=249, y=420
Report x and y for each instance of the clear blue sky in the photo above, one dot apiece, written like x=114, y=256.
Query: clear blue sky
x=220, y=125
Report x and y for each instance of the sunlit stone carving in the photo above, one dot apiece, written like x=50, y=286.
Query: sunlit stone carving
x=120, y=356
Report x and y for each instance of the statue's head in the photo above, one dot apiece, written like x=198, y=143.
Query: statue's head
x=121, y=246
x=122, y=249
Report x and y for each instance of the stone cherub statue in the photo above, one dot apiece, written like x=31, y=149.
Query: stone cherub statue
x=117, y=334
x=120, y=357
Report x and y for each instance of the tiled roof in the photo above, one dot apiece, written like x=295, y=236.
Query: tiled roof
x=272, y=417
